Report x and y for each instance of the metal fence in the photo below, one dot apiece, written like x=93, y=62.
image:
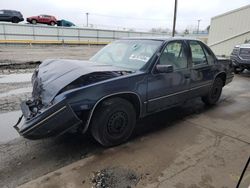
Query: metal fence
x=43, y=34
x=27, y=33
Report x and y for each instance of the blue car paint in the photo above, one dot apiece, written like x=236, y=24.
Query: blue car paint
x=153, y=91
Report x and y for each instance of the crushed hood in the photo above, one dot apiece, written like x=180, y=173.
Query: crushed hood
x=53, y=75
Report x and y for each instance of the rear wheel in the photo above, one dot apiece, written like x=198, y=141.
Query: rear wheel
x=215, y=92
x=52, y=23
x=113, y=122
x=33, y=21
x=15, y=20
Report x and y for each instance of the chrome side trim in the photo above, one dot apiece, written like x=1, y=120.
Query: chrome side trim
x=113, y=94
x=165, y=96
x=176, y=93
x=198, y=87
x=45, y=119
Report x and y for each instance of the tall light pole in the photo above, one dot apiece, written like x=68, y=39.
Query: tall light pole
x=198, y=26
x=87, y=16
x=174, y=21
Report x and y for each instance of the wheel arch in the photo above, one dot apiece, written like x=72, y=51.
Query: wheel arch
x=33, y=19
x=132, y=97
x=221, y=75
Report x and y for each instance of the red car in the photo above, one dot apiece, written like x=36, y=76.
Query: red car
x=45, y=19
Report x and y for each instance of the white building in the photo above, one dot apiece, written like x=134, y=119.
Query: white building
x=228, y=30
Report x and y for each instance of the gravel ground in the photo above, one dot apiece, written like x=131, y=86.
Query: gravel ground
x=22, y=54
x=12, y=102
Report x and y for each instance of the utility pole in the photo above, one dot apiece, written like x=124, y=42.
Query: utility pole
x=198, y=26
x=174, y=21
x=87, y=16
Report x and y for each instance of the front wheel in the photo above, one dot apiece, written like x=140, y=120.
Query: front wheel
x=215, y=92
x=33, y=21
x=113, y=122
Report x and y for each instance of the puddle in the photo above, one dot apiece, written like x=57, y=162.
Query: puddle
x=14, y=78
x=7, y=120
x=16, y=92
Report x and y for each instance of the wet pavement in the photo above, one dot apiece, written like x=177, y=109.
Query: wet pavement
x=184, y=147
x=15, y=78
x=8, y=120
x=16, y=92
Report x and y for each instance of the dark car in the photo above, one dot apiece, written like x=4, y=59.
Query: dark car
x=65, y=23
x=126, y=80
x=11, y=16
x=240, y=57
x=44, y=19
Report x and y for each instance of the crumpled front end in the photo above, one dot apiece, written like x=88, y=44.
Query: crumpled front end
x=51, y=121
x=46, y=117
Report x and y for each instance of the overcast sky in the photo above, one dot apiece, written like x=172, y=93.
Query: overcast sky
x=144, y=14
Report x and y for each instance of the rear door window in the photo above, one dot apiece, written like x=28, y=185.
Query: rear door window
x=209, y=55
x=198, y=55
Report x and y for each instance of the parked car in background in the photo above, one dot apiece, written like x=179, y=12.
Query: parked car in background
x=44, y=19
x=11, y=16
x=65, y=23
x=127, y=80
x=240, y=57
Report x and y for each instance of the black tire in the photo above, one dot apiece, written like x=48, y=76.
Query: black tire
x=15, y=20
x=238, y=70
x=33, y=21
x=215, y=92
x=52, y=23
x=113, y=122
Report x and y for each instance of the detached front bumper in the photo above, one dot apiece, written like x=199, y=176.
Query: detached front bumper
x=53, y=121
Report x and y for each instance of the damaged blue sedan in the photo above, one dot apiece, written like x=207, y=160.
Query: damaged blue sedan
x=126, y=80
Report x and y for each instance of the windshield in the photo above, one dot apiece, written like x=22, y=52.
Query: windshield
x=130, y=54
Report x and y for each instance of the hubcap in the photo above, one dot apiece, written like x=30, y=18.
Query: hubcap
x=117, y=123
x=216, y=92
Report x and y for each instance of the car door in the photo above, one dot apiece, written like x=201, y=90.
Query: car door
x=47, y=19
x=202, y=70
x=4, y=15
x=42, y=19
x=168, y=89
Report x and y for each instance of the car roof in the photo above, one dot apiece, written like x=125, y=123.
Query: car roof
x=46, y=15
x=9, y=10
x=161, y=38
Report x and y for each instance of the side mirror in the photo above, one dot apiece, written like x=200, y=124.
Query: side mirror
x=164, y=68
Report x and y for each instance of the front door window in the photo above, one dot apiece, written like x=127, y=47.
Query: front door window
x=174, y=55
